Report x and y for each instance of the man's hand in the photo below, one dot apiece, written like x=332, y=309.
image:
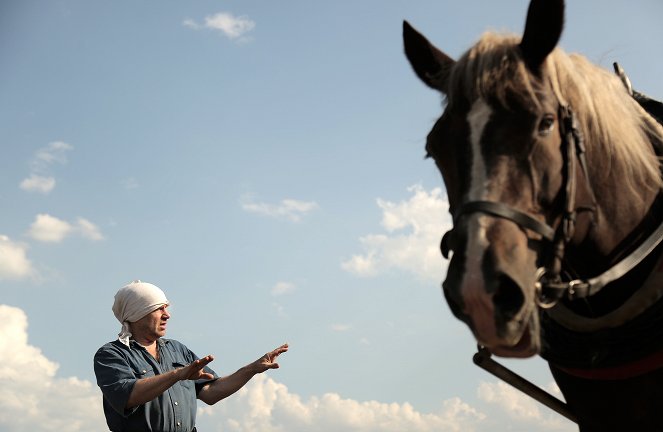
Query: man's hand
x=194, y=370
x=146, y=389
x=268, y=361
x=223, y=387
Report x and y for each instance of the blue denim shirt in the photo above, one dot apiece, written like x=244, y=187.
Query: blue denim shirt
x=117, y=367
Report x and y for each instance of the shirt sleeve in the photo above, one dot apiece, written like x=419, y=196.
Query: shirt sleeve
x=115, y=378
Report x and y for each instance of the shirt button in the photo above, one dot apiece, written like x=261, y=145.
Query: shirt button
x=178, y=423
x=144, y=371
x=176, y=404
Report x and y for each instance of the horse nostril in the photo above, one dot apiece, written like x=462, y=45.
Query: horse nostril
x=508, y=298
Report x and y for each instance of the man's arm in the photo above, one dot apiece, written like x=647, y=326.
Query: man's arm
x=221, y=388
x=147, y=389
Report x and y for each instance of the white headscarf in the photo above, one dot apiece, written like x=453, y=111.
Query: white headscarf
x=133, y=302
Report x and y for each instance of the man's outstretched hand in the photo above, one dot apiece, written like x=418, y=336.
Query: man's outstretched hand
x=194, y=371
x=268, y=361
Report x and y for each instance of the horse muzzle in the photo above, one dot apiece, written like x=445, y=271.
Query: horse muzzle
x=492, y=289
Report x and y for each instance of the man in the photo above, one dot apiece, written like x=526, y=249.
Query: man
x=150, y=383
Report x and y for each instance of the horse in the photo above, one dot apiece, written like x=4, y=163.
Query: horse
x=553, y=177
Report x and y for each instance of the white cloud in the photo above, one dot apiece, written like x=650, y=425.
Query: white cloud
x=521, y=407
x=37, y=183
x=290, y=209
x=32, y=397
x=54, y=152
x=267, y=406
x=414, y=230
x=14, y=263
x=191, y=24
x=283, y=288
x=233, y=27
x=89, y=230
x=39, y=179
x=49, y=229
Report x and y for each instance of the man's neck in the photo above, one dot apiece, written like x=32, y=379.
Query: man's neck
x=150, y=345
x=145, y=342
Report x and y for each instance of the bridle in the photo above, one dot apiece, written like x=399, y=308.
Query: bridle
x=550, y=286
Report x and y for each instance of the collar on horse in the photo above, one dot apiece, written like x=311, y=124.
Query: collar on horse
x=550, y=286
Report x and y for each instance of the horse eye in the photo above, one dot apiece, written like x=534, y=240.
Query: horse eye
x=546, y=124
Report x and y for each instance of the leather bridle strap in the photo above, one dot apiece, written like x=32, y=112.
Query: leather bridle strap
x=504, y=211
x=580, y=288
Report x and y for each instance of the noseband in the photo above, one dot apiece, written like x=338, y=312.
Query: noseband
x=549, y=286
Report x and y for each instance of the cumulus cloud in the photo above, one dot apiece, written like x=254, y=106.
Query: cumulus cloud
x=37, y=183
x=411, y=242
x=290, y=209
x=268, y=406
x=40, y=180
x=49, y=229
x=32, y=397
x=14, y=263
x=521, y=407
x=233, y=27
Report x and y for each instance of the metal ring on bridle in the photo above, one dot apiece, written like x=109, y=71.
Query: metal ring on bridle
x=542, y=300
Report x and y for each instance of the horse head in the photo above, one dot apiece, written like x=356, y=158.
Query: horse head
x=502, y=146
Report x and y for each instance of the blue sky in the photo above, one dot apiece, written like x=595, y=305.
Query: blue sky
x=262, y=163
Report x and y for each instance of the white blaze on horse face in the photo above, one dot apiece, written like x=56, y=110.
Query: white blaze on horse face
x=478, y=303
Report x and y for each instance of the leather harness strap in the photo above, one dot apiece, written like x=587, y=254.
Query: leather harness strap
x=500, y=210
x=632, y=369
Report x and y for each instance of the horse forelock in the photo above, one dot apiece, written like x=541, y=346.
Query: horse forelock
x=618, y=132
x=492, y=70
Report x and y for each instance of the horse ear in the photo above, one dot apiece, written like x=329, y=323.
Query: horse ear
x=545, y=21
x=430, y=64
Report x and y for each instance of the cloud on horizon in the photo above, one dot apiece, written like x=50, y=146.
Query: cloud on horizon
x=521, y=408
x=32, y=397
x=268, y=406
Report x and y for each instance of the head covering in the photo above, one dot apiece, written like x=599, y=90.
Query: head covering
x=133, y=302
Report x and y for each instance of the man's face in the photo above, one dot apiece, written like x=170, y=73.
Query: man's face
x=152, y=326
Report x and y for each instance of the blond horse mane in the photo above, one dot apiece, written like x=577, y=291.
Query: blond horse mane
x=619, y=134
